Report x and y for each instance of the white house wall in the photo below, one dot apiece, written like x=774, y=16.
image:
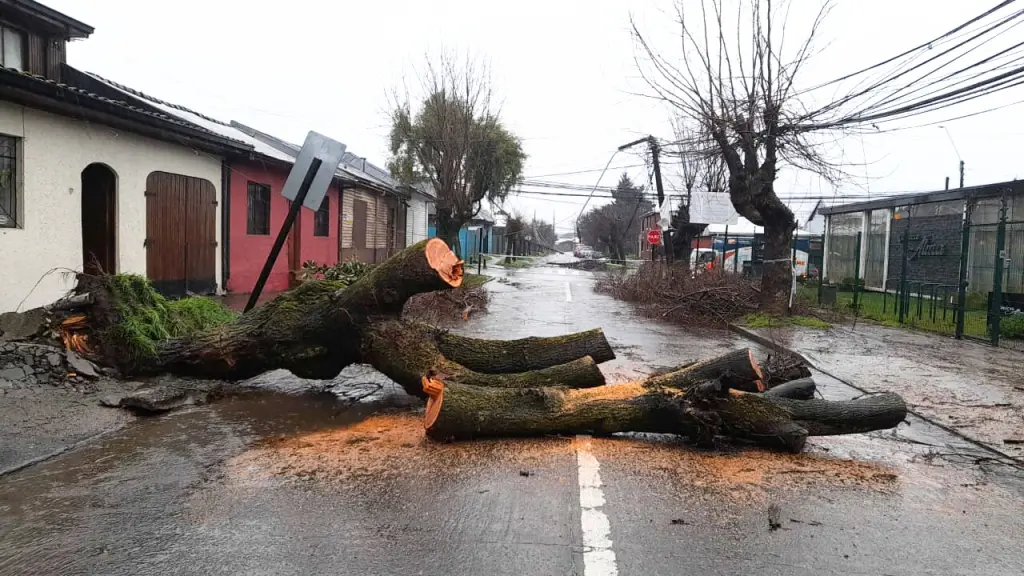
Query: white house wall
x=416, y=221
x=54, y=150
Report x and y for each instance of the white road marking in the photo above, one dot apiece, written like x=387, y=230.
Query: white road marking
x=598, y=556
x=568, y=293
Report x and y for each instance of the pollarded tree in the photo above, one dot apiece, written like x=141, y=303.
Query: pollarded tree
x=735, y=82
x=456, y=141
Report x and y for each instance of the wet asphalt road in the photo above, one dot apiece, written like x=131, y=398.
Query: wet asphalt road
x=277, y=484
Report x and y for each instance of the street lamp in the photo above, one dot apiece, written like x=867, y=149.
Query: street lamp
x=950, y=136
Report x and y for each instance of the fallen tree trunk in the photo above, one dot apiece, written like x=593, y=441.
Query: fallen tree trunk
x=314, y=330
x=405, y=352
x=457, y=412
x=524, y=354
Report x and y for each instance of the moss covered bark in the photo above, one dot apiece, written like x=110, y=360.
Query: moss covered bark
x=524, y=354
x=405, y=352
x=314, y=330
x=737, y=369
x=700, y=412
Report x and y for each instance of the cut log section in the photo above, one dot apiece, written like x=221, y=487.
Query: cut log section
x=524, y=354
x=802, y=389
x=701, y=412
x=737, y=369
x=405, y=352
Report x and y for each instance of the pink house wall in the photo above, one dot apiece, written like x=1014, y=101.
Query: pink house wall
x=248, y=252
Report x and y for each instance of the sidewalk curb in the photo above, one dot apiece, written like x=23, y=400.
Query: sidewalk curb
x=775, y=346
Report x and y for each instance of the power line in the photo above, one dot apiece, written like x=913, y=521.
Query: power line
x=917, y=48
x=919, y=92
x=588, y=171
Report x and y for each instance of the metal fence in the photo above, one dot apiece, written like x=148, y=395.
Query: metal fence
x=955, y=267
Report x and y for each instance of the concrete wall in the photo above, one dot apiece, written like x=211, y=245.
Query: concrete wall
x=54, y=150
x=248, y=252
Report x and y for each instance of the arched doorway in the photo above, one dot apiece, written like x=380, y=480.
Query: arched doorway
x=99, y=219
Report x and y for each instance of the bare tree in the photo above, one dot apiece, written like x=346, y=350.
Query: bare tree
x=456, y=141
x=735, y=82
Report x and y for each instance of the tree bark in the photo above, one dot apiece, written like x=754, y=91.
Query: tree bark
x=801, y=389
x=777, y=269
x=457, y=412
x=448, y=230
x=316, y=329
x=533, y=353
x=737, y=369
x=406, y=352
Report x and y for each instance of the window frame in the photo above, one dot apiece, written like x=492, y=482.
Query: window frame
x=322, y=219
x=4, y=28
x=12, y=213
x=251, y=228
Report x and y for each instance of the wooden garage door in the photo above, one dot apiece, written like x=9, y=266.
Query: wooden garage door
x=181, y=234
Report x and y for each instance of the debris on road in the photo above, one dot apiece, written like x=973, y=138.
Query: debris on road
x=709, y=298
x=774, y=517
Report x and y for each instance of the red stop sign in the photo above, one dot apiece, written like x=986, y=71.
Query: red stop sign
x=654, y=236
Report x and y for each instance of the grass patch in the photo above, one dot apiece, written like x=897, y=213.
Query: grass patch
x=147, y=318
x=474, y=280
x=809, y=322
x=759, y=320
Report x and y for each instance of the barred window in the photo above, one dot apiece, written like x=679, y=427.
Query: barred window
x=258, y=220
x=8, y=182
x=322, y=218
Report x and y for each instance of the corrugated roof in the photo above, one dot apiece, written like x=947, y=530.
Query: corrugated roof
x=125, y=105
x=345, y=169
x=200, y=120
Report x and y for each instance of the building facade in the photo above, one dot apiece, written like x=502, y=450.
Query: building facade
x=89, y=182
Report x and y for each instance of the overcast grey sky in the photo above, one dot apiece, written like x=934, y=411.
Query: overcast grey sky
x=563, y=69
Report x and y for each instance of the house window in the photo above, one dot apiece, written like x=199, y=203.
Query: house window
x=13, y=53
x=258, y=220
x=8, y=182
x=322, y=218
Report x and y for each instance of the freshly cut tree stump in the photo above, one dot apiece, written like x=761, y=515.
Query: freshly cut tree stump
x=524, y=354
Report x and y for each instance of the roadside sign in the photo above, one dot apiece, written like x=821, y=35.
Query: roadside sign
x=306, y=185
x=654, y=236
x=329, y=152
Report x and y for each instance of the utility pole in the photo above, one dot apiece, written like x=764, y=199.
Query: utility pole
x=947, y=183
x=666, y=236
x=961, y=173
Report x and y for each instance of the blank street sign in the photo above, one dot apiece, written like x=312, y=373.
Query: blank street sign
x=329, y=152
